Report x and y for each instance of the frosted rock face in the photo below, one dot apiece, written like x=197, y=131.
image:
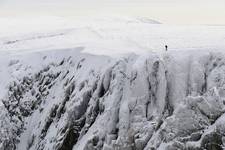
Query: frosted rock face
x=86, y=102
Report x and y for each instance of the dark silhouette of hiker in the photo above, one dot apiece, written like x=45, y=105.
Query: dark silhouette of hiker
x=166, y=47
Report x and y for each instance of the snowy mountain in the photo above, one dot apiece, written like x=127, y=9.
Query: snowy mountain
x=59, y=92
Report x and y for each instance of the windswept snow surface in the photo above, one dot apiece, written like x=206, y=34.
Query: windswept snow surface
x=110, y=85
x=110, y=36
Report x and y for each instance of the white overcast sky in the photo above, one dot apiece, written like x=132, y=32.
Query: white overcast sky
x=166, y=11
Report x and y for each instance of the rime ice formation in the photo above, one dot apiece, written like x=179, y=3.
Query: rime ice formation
x=68, y=100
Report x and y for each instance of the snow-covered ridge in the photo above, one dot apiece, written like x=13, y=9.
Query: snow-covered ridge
x=66, y=90
x=67, y=100
x=20, y=25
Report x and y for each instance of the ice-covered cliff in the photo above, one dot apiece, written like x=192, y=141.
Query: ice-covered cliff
x=110, y=85
x=68, y=100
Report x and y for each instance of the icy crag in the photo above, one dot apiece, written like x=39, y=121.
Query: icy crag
x=87, y=102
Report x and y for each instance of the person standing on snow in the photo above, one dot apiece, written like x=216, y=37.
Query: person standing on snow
x=166, y=47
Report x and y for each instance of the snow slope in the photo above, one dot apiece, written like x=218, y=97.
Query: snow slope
x=59, y=92
x=99, y=36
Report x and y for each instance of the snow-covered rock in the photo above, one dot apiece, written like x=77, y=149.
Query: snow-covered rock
x=69, y=100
